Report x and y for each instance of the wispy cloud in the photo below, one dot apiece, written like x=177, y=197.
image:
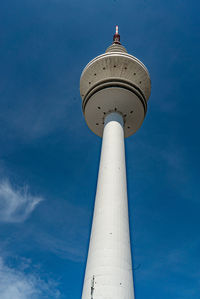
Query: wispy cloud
x=64, y=236
x=172, y=265
x=16, y=204
x=73, y=249
x=20, y=285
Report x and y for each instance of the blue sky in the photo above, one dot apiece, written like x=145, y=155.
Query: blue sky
x=49, y=158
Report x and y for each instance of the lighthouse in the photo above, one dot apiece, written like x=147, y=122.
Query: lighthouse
x=115, y=88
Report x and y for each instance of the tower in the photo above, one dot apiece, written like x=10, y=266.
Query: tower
x=115, y=88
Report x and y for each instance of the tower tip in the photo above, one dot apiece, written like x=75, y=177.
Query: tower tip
x=116, y=37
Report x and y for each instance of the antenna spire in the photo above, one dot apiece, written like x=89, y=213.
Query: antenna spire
x=116, y=37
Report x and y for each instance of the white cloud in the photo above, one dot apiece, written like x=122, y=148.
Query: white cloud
x=18, y=285
x=16, y=204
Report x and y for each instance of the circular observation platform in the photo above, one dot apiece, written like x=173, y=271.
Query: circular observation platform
x=115, y=81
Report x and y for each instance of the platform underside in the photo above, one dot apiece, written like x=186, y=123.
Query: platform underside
x=126, y=102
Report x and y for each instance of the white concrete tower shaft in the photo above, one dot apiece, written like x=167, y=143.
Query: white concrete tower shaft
x=109, y=267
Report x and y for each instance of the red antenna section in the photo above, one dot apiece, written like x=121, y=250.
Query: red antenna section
x=116, y=37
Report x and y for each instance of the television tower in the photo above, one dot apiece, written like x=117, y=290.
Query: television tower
x=114, y=87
